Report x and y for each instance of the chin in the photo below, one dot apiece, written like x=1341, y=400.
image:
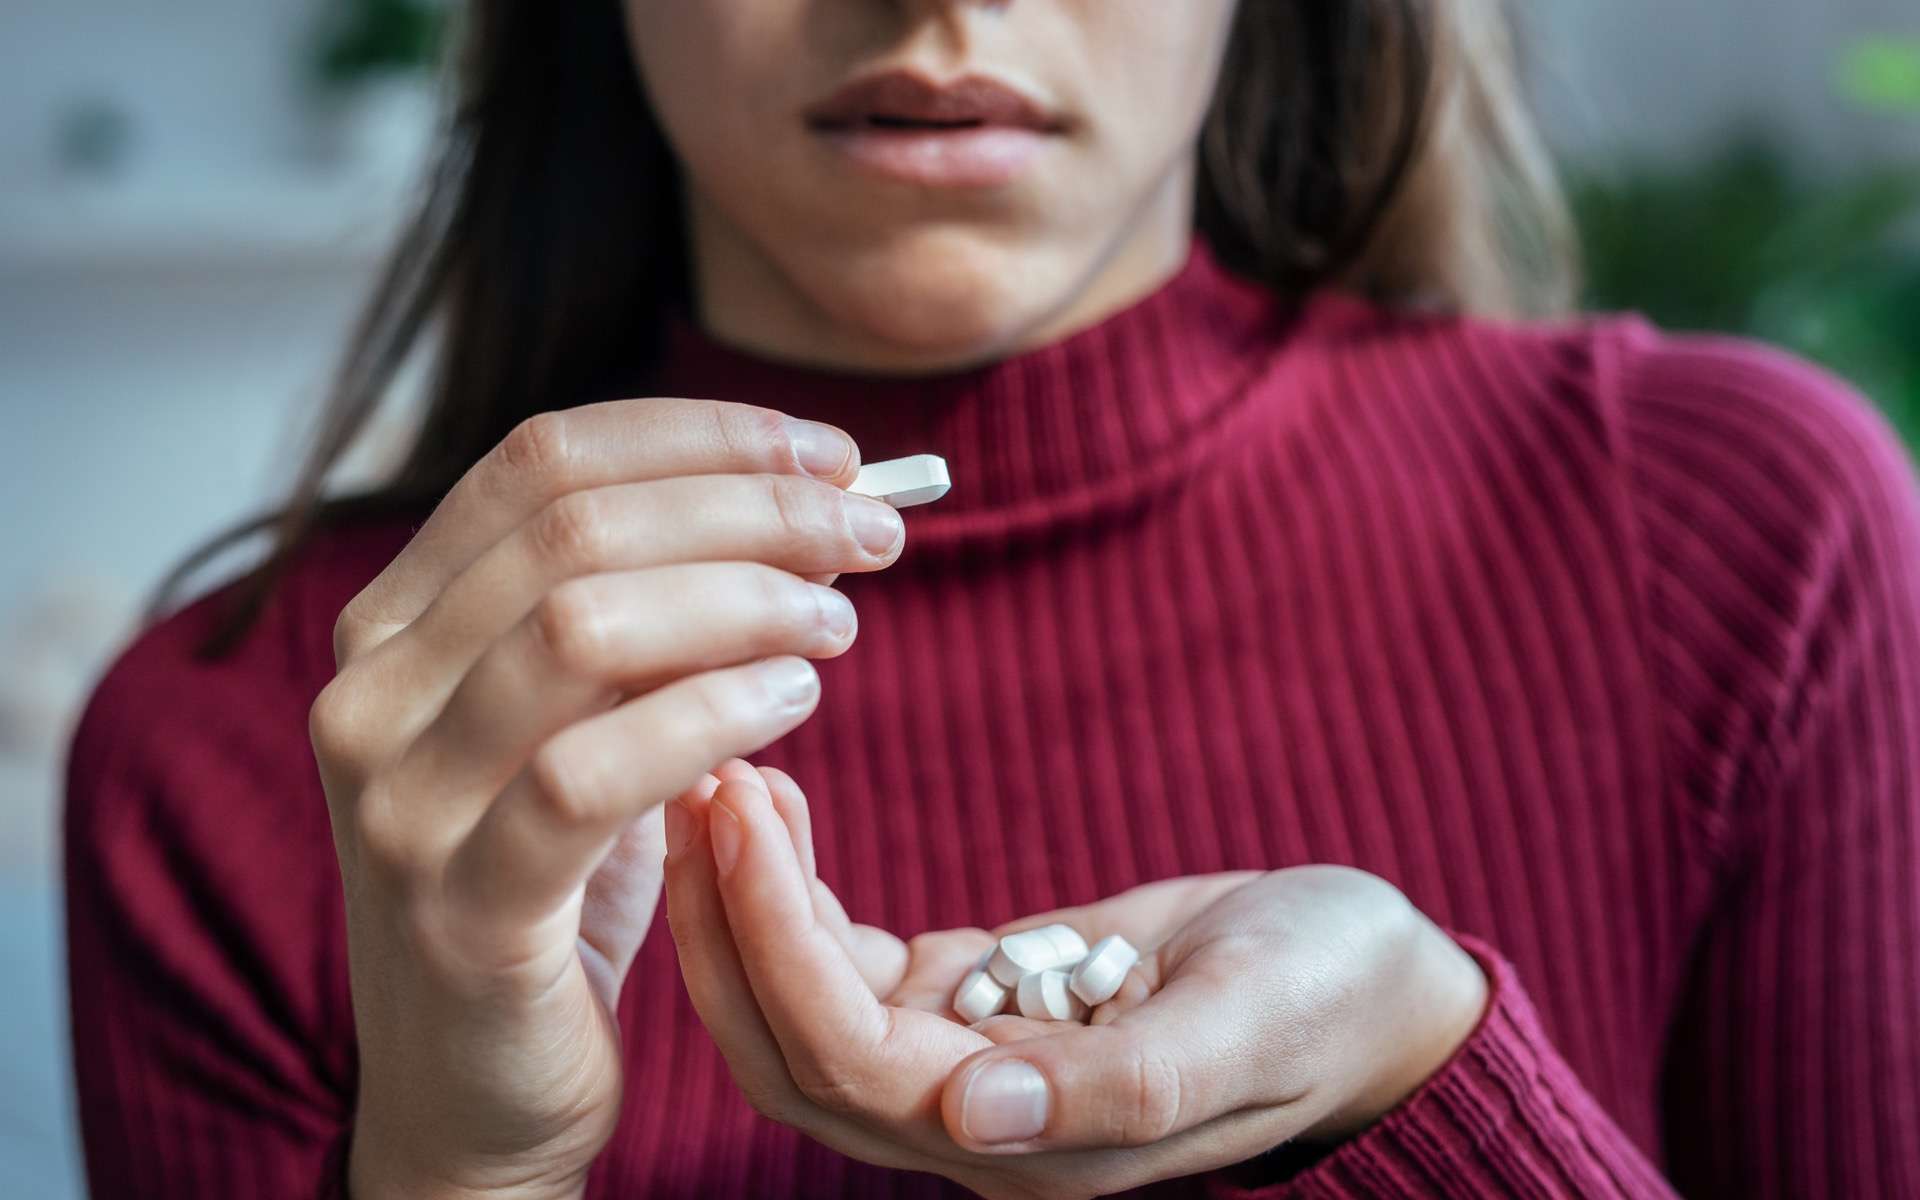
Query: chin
x=952, y=304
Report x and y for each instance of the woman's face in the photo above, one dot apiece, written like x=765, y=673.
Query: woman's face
x=898, y=183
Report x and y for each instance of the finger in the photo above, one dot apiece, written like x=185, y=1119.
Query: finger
x=555, y=453
x=1134, y=990
x=617, y=909
x=594, y=639
x=798, y=525
x=718, y=987
x=547, y=832
x=1177, y=1061
x=791, y=803
x=1004, y=1029
x=710, y=968
x=838, y=1039
x=880, y=957
x=936, y=963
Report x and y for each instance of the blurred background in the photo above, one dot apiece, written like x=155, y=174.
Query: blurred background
x=193, y=197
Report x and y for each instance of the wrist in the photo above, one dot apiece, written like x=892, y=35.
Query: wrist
x=377, y=1172
x=1432, y=1001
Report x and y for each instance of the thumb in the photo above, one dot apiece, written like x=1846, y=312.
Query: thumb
x=621, y=896
x=1156, y=1070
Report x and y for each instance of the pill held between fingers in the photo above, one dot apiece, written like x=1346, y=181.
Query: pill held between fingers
x=979, y=996
x=1098, y=977
x=1045, y=996
x=904, y=482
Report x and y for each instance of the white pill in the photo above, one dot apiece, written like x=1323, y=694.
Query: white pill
x=1098, y=977
x=1045, y=996
x=980, y=996
x=1021, y=954
x=1068, y=943
x=903, y=482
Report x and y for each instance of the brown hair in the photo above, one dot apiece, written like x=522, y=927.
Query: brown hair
x=1378, y=145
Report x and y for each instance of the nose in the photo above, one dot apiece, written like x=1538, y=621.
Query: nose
x=947, y=9
x=950, y=16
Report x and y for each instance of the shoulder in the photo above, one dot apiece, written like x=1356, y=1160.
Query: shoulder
x=1767, y=489
x=1721, y=435
x=1778, y=514
x=202, y=891
x=1766, y=512
x=218, y=740
x=1707, y=413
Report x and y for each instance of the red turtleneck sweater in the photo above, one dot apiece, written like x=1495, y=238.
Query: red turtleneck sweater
x=1601, y=644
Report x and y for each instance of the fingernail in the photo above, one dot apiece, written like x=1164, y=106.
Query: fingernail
x=1005, y=1101
x=876, y=524
x=836, y=611
x=821, y=450
x=790, y=681
x=679, y=828
x=725, y=829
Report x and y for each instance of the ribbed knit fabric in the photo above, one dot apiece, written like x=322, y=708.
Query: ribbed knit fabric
x=1603, y=645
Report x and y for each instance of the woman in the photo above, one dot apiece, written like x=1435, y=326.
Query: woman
x=1500, y=734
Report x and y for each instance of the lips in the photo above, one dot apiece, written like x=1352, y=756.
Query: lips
x=903, y=100
x=973, y=133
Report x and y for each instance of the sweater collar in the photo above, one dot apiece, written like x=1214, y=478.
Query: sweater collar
x=1073, y=426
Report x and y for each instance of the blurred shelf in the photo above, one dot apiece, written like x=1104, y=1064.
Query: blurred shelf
x=210, y=223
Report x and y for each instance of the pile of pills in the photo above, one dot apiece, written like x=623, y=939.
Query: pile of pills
x=1048, y=974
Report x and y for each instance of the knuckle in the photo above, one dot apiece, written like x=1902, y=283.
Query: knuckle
x=785, y=606
x=710, y=710
x=333, y=723
x=346, y=636
x=840, y=1079
x=540, y=451
x=1153, y=1110
x=832, y=1090
x=560, y=783
x=381, y=838
x=799, y=507
x=772, y=1102
x=571, y=624
x=572, y=530
x=750, y=436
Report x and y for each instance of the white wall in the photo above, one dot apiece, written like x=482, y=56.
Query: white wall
x=1622, y=76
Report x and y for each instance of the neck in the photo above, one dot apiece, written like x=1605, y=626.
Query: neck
x=1081, y=425
x=744, y=297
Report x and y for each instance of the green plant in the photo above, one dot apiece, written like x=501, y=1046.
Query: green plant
x=1882, y=73
x=363, y=39
x=1743, y=242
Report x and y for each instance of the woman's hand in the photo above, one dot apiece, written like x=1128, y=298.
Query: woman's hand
x=562, y=647
x=1268, y=1006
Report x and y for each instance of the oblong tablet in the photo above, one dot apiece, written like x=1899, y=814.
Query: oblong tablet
x=1045, y=996
x=979, y=996
x=904, y=482
x=1021, y=954
x=1098, y=977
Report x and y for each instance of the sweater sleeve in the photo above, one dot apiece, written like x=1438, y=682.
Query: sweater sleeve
x=1793, y=1061
x=1781, y=527
x=211, y=1035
